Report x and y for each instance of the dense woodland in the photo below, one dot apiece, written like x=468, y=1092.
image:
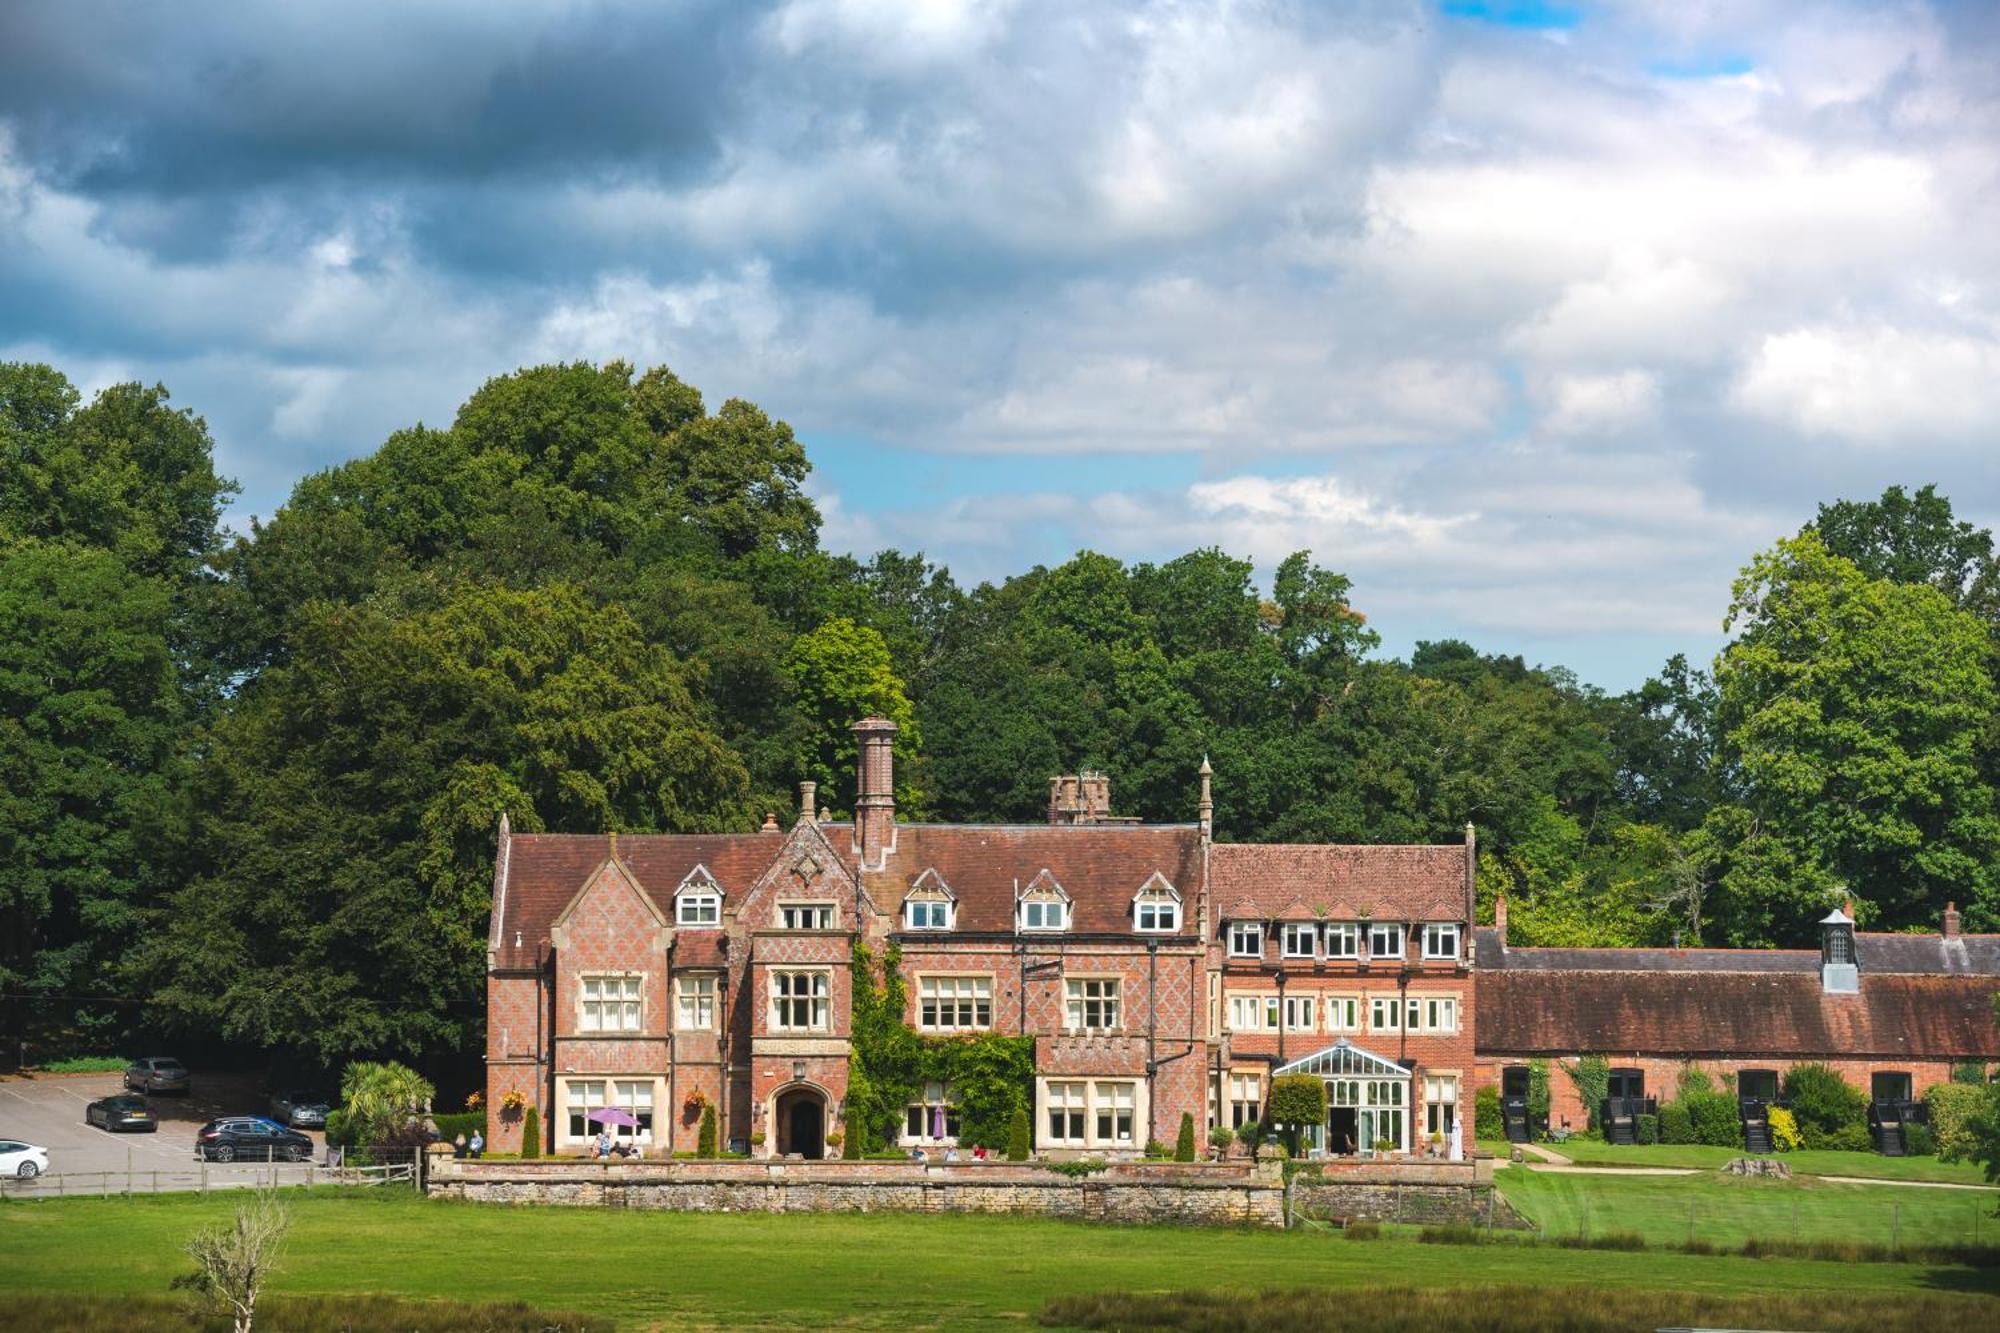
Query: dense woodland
x=249, y=781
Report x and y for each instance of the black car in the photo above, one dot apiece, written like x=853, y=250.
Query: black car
x=299, y=1109
x=252, y=1139
x=157, y=1073
x=116, y=1113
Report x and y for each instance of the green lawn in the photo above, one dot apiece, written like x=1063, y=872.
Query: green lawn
x=1728, y=1210
x=1872, y=1166
x=679, y=1269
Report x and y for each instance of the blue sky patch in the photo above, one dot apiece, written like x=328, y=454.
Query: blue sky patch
x=1537, y=14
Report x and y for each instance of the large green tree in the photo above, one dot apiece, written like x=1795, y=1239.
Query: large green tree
x=1851, y=710
x=353, y=794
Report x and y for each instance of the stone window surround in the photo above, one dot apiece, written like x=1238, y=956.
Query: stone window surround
x=1116, y=999
x=992, y=989
x=820, y=1001
x=832, y=912
x=1092, y=1083
x=564, y=1139
x=1399, y=1003
x=609, y=974
x=715, y=977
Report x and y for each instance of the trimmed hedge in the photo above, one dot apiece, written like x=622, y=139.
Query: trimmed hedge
x=1487, y=1122
x=1824, y=1102
x=531, y=1134
x=1184, y=1144
x=460, y=1122
x=1676, y=1123
x=1952, y=1107
x=1020, y=1144
x=1648, y=1129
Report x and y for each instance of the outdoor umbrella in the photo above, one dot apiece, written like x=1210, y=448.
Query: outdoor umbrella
x=613, y=1115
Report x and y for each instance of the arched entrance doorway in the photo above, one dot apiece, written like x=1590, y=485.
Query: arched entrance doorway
x=801, y=1117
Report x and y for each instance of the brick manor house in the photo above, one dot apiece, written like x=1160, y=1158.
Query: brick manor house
x=1159, y=972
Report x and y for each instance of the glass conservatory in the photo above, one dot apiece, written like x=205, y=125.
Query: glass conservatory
x=1367, y=1101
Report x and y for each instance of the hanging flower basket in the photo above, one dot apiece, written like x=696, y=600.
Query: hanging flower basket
x=512, y=1102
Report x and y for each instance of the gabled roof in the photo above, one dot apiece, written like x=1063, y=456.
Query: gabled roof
x=991, y=866
x=541, y=872
x=1391, y=883
x=1344, y=1057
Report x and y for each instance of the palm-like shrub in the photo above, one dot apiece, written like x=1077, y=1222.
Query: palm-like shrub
x=382, y=1098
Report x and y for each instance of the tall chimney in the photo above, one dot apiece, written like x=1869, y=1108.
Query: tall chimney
x=1500, y=919
x=1951, y=921
x=808, y=790
x=1205, y=811
x=875, y=796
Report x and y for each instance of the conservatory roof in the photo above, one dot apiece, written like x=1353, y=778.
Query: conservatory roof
x=1345, y=1058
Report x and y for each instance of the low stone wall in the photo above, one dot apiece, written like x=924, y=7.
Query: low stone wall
x=1201, y=1195
x=1418, y=1193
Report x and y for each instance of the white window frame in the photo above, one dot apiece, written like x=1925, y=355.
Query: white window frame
x=1165, y=913
x=700, y=909
x=1066, y=1113
x=695, y=995
x=1084, y=997
x=1440, y=1105
x=943, y=998
x=1259, y=1009
x=630, y=1002
x=1246, y=939
x=1380, y=931
x=932, y=1096
x=578, y=1097
x=1052, y=915
x=1103, y=1114
x=1246, y=1096
x=1343, y=940
x=1385, y=1013
x=785, y=998
x=1114, y=1105
x=1432, y=1013
x=1434, y=936
x=927, y=907
x=1301, y=1013
x=817, y=909
x=1343, y=1012
x=1289, y=936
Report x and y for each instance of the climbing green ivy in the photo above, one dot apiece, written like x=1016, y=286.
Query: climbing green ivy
x=1592, y=1076
x=991, y=1076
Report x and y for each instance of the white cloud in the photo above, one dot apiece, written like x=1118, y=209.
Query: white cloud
x=1601, y=405
x=1876, y=385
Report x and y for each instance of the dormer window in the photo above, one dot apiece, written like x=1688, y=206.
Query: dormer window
x=806, y=916
x=1343, y=940
x=1156, y=909
x=1246, y=939
x=930, y=905
x=698, y=901
x=1044, y=914
x=1441, y=940
x=1385, y=940
x=1300, y=940
x=1043, y=905
x=926, y=914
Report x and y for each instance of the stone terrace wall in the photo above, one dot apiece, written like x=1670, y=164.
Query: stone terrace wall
x=1419, y=1193
x=1201, y=1195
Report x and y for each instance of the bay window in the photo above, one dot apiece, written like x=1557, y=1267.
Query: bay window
x=799, y=1001
x=948, y=1004
x=609, y=1002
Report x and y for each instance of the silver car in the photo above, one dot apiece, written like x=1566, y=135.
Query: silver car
x=157, y=1073
x=299, y=1109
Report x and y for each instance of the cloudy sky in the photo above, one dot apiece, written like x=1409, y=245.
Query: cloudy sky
x=1537, y=319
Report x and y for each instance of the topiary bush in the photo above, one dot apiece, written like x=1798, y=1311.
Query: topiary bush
x=1297, y=1100
x=1184, y=1144
x=531, y=1133
x=1487, y=1122
x=1676, y=1125
x=1824, y=1102
x=1252, y=1135
x=704, y=1139
x=1020, y=1145
x=1716, y=1121
x=1220, y=1138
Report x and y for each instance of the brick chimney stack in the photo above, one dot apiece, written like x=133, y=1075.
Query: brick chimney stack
x=1500, y=919
x=1951, y=921
x=875, y=795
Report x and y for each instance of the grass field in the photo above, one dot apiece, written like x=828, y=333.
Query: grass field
x=1872, y=1166
x=1729, y=1210
x=678, y=1269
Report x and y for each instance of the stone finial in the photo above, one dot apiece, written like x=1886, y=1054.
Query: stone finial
x=770, y=822
x=1205, y=810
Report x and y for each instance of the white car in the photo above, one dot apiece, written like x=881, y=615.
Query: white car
x=20, y=1159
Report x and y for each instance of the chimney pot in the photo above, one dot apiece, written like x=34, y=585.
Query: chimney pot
x=807, y=807
x=770, y=822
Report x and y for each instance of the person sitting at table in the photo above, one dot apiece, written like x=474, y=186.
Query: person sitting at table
x=475, y=1147
x=458, y=1146
x=601, y=1150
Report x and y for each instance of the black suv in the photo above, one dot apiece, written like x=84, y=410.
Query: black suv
x=157, y=1073
x=251, y=1138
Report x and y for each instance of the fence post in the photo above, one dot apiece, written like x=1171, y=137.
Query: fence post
x=1896, y=1225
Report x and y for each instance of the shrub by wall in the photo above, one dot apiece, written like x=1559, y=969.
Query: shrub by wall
x=1823, y=1101
x=1784, y=1130
x=1297, y=1100
x=1714, y=1119
x=531, y=1133
x=1487, y=1122
x=1848, y=1138
x=1919, y=1141
x=1676, y=1125
x=704, y=1140
x=1591, y=1075
x=1184, y=1144
x=1020, y=1144
x=1952, y=1106
x=452, y=1125
x=1648, y=1130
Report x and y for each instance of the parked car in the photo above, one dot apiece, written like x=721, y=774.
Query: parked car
x=116, y=1113
x=299, y=1109
x=157, y=1073
x=251, y=1138
x=22, y=1160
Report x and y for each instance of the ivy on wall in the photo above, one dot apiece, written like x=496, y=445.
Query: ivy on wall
x=991, y=1076
x=1592, y=1076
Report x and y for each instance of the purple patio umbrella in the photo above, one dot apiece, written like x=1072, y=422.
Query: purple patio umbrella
x=612, y=1115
